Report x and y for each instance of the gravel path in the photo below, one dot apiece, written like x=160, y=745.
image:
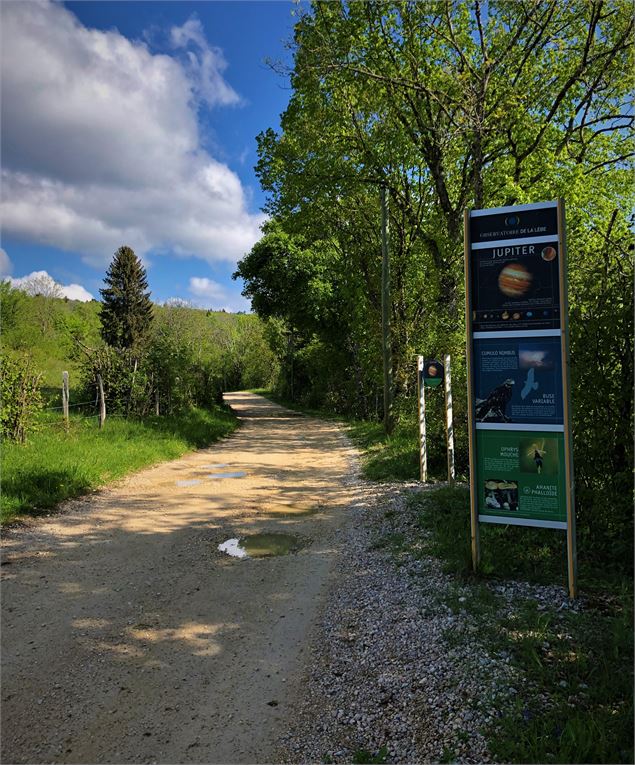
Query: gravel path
x=394, y=672
x=128, y=637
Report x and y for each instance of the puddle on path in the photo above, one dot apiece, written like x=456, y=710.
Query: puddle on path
x=214, y=466
x=239, y=474
x=292, y=509
x=262, y=545
x=188, y=482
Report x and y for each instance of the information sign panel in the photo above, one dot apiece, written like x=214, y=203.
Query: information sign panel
x=517, y=222
x=515, y=286
x=518, y=380
x=520, y=478
x=521, y=469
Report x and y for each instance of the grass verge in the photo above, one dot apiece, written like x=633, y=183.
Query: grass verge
x=577, y=665
x=58, y=463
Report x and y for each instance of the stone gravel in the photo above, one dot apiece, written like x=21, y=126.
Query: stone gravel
x=393, y=670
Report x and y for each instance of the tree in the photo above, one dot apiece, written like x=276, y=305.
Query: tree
x=449, y=105
x=126, y=313
x=41, y=284
x=11, y=306
x=46, y=293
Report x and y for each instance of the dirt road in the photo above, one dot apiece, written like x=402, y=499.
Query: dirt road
x=127, y=636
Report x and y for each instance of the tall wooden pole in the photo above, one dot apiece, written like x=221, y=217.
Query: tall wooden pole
x=102, y=401
x=572, y=558
x=65, y=396
x=476, y=549
x=449, y=426
x=423, y=443
x=385, y=314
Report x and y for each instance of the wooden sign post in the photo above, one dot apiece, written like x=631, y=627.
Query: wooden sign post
x=423, y=445
x=449, y=426
x=102, y=401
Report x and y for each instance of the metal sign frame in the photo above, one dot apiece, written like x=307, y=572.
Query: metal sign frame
x=563, y=332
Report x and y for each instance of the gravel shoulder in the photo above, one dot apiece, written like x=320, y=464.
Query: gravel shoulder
x=399, y=670
x=127, y=636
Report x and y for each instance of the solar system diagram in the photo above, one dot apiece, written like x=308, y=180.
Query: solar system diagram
x=515, y=286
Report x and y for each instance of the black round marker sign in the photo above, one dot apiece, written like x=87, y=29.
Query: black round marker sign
x=432, y=373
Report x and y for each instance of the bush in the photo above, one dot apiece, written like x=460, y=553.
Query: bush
x=21, y=400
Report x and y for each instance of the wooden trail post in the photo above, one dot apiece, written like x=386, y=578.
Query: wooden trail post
x=102, y=402
x=65, y=396
x=449, y=426
x=385, y=313
x=423, y=445
x=572, y=554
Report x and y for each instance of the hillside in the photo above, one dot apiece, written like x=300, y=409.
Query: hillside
x=52, y=331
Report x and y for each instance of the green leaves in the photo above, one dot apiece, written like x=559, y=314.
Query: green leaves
x=20, y=396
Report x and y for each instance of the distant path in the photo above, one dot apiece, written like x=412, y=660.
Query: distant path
x=126, y=635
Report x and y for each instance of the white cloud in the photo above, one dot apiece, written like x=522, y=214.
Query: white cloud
x=204, y=63
x=76, y=292
x=100, y=141
x=5, y=264
x=41, y=282
x=211, y=294
x=202, y=287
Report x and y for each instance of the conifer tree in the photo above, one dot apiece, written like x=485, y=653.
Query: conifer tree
x=126, y=313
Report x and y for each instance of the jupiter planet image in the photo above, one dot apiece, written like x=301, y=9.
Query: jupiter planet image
x=514, y=280
x=548, y=253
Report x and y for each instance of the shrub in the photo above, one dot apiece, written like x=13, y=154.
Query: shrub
x=21, y=399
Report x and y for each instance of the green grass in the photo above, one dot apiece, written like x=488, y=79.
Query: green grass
x=56, y=464
x=581, y=663
x=364, y=757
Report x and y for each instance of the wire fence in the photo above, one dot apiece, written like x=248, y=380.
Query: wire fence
x=78, y=416
x=94, y=403
x=70, y=406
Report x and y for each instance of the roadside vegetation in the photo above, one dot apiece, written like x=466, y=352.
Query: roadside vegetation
x=59, y=462
x=471, y=110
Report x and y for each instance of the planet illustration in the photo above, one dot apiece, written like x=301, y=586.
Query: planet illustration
x=514, y=280
x=548, y=253
x=432, y=371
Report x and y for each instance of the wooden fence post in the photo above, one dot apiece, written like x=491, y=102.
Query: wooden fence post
x=65, y=396
x=102, y=402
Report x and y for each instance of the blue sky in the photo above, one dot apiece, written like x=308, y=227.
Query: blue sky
x=135, y=123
